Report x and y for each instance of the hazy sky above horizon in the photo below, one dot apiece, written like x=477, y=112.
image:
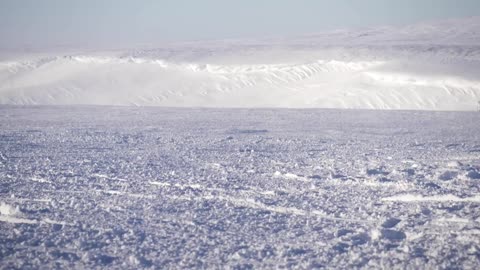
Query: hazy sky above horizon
x=88, y=22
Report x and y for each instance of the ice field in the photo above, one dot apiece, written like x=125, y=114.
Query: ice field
x=88, y=187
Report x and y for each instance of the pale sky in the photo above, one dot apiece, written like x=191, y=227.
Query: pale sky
x=39, y=23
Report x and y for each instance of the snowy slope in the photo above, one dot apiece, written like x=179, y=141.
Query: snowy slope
x=428, y=66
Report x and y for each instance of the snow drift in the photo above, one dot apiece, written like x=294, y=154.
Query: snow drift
x=426, y=66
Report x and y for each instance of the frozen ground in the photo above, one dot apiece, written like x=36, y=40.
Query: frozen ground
x=126, y=187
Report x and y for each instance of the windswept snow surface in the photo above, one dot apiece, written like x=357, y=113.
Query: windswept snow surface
x=125, y=187
x=430, y=66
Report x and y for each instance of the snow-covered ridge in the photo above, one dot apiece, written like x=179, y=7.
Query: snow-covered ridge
x=319, y=65
x=320, y=83
x=369, y=71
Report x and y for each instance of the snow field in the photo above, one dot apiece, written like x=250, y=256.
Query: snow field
x=129, y=187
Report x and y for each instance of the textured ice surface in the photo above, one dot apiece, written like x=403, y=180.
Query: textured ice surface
x=119, y=187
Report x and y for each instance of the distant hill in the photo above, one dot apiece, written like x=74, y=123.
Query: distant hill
x=427, y=66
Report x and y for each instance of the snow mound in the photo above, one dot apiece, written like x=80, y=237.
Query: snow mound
x=8, y=210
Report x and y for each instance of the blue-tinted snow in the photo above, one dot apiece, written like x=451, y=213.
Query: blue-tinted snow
x=119, y=187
